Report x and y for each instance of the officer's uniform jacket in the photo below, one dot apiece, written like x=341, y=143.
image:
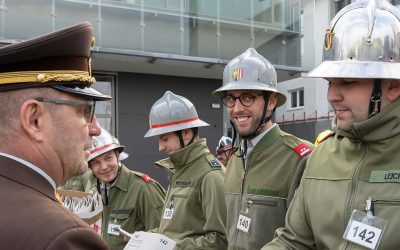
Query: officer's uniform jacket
x=31, y=216
x=196, y=195
x=341, y=174
x=260, y=192
x=135, y=203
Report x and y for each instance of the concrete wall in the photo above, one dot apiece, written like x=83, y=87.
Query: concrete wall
x=136, y=93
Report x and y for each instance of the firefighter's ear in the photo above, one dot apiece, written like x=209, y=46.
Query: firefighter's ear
x=187, y=134
x=32, y=118
x=272, y=101
x=393, y=92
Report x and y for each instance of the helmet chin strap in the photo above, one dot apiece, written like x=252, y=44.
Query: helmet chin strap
x=104, y=193
x=180, y=137
x=263, y=120
x=375, y=102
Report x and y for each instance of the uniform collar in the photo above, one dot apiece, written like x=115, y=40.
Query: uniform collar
x=267, y=138
x=122, y=180
x=253, y=142
x=188, y=154
x=384, y=125
x=19, y=172
x=33, y=167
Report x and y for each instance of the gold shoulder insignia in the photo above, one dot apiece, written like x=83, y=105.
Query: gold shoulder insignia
x=323, y=136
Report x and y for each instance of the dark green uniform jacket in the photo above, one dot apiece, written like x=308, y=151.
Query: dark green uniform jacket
x=196, y=195
x=260, y=192
x=135, y=203
x=84, y=183
x=341, y=174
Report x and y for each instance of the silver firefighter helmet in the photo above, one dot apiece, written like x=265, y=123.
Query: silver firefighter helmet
x=363, y=41
x=172, y=113
x=250, y=71
x=103, y=143
x=224, y=144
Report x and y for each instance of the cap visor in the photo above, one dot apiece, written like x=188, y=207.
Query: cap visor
x=83, y=91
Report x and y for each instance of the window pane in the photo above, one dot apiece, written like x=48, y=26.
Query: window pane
x=294, y=99
x=106, y=123
x=104, y=109
x=301, y=98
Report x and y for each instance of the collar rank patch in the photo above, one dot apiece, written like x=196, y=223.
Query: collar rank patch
x=302, y=150
x=146, y=178
x=215, y=164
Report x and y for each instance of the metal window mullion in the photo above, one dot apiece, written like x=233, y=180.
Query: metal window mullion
x=3, y=10
x=53, y=15
x=142, y=25
x=218, y=29
x=181, y=26
x=252, y=23
x=99, y=23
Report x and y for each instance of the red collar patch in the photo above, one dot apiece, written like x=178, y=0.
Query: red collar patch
x=146, y=178
x=302, y=150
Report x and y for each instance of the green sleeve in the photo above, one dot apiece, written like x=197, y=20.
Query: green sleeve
x=151, y=199
x=75, y=183
x=214, y=212
x=297, y=234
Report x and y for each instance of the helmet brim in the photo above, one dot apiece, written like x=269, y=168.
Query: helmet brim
x=169, y=129
x=105, y=150
x=220, y=92
x=356, y=69
x=123, y=156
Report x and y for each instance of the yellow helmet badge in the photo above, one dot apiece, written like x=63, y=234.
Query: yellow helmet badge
x=328, y=39
x=237, y=74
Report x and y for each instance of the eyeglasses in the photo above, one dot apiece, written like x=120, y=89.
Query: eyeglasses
x=246, y=100
x=89, y=113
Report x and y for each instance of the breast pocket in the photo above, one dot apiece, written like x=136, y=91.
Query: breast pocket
x=186, y=213
x=126, y=219
x=388, y=208
x=267, y=213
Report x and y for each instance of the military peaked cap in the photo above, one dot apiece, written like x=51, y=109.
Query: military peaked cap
x=60, y=60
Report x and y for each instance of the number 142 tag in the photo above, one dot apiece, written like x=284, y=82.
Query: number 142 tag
x=365, y=230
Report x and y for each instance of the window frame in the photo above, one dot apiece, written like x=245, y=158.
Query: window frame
x=298, y=99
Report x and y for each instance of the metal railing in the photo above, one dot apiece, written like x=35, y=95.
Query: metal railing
x=291, y=119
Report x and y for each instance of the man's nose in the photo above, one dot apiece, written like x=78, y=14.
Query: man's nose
x=94, y=127
x=334, y=94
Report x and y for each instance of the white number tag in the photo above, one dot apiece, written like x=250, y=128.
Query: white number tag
x=113, y=229
x=365, y=231
x=168, y=212
x=243, y=223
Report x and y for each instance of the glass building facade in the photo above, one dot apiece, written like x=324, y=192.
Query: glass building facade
x=214, y=29
x=206, y=31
